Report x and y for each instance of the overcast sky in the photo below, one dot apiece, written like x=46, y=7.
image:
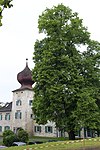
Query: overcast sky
x=19, y=33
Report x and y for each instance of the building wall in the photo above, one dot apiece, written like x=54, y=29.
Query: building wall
x=5, y=123
x=47, y=130
x=26, y=122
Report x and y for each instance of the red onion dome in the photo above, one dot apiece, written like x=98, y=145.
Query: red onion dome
x=25, y=77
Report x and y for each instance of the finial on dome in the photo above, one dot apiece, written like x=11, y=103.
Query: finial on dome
x=27, y=62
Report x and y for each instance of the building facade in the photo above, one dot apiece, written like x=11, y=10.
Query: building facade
x=18, y=113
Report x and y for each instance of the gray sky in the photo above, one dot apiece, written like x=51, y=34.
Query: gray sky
x=19, y=33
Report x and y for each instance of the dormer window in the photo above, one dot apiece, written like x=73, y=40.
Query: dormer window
x=18, y=102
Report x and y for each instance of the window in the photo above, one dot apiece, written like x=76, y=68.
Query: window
x=48, y=129
x=7, y=128
x=0, y=128
x=0, y=116
x=7, y=116
x=18, y=103
x=31, y=116
x=30, y=102
x=18, y=115
x=37, y=128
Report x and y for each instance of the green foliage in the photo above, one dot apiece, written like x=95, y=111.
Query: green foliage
x=7, y=132
x=9, y=137
x=8, y=140
x=22, y=135
x=4, y=4
x=67, y=80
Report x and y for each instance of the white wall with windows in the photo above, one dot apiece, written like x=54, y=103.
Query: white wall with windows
x=48, y=130
x=5, y=121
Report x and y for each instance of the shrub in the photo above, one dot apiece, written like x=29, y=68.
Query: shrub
x=7, y=132
x=22, y=135
x=9, y=137
x=8, y=140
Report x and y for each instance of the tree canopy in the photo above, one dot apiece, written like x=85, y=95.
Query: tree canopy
x=67, y=78
x=4, y=4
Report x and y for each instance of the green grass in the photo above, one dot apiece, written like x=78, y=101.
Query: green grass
x=46, y=139
x=61, y=145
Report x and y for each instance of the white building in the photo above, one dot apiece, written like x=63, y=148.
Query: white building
x=18, y=113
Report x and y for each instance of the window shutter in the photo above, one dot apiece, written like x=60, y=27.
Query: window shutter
x=0, y=116
x=51, y=129
x=6, y=117
x=16, y=115
x=46, y=129
x=40, y=129
x=20, y=115
x=35, y=128
x=9, y=116
x=0, y=128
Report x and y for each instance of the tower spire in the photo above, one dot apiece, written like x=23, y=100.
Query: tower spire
x=25, y=77
x=26, y=62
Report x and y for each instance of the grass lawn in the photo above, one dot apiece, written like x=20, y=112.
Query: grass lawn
x=60, y=145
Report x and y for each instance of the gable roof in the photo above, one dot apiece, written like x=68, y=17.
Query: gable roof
x=6, y=108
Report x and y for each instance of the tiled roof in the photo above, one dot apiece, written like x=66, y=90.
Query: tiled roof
x=6, y=108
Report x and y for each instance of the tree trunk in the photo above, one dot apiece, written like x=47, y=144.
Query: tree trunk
x=71, y=135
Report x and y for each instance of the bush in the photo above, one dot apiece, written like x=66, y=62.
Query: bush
x=7, y=132
x=22, y=135
x=9, y=137
x=8, y=140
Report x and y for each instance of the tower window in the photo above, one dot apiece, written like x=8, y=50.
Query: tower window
x=30, y=102
x=18, y=103
x=31, y=116
x=18, y=114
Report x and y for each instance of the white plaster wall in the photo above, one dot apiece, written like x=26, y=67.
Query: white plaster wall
x=26, y=122
x=4, y=122
x=43, y=133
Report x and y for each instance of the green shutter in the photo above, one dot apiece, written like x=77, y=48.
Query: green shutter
x=20, y=115
x=40, y=129
x=5, y=117
x=0, y=116
x=51, y=129
x=16, y=115
x=0, y=128
x=35, y=128
x=9, y=116
x=46, y=129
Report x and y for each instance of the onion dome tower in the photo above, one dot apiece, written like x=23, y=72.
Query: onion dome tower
x=25, y=77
